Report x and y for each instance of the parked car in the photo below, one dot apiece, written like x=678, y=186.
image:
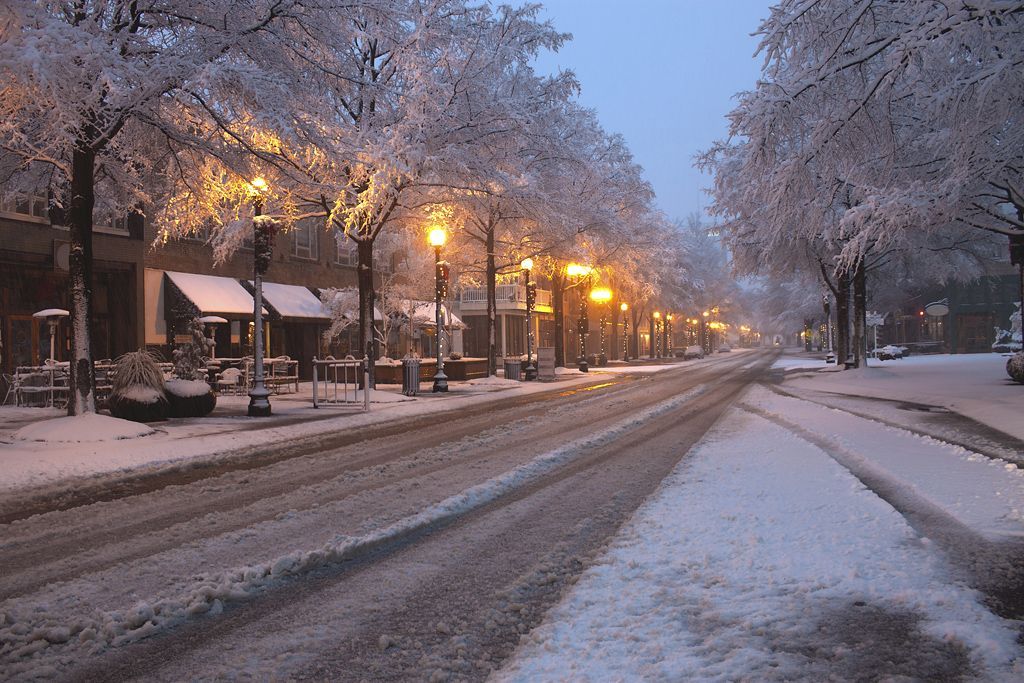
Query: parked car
x=889, y=352
x=724, y=348
x=694, y=351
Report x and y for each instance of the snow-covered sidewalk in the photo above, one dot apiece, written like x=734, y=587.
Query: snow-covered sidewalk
x=762, y=558
x=974, y=385
x=26, y=464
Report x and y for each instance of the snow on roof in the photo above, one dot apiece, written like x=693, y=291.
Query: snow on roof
x=213, y=294
x=423, y=313
x=294, y=301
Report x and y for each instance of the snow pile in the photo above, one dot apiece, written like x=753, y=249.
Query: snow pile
x=21, y=632
x=567, y=371
x=82, y=428
x=493, y=381
x=760, y=558
x=187, y=388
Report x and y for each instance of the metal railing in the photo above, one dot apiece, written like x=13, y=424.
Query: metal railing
x=513, y=293
x=336, y=382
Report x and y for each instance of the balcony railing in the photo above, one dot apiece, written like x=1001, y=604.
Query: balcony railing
x=506, y=296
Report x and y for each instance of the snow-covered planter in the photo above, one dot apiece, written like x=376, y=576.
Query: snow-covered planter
x=1015, y=367
x=190, y=397
x=138, y=389
x=188, y=394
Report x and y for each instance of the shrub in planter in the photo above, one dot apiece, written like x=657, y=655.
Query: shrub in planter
x=188, y=393
x=1015, y=367
x=137, y=393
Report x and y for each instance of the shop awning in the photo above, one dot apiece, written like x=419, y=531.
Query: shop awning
x=212, y=294
x=294, y=301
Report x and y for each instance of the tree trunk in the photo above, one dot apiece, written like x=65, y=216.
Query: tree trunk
x=492, y=306
x=860, y=302
x=368, y=339
x=82, y=381
x=842, y=318
x=638, y=315
x=614, y=343
x=558, y=308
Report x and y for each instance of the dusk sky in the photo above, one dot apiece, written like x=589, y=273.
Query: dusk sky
x=663, y=74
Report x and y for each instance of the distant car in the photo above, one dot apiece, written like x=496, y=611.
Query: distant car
x=724, y=348
x=694, y=351
x=889, y=352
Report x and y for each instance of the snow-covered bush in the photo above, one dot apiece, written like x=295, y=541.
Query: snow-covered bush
x=137, y=391
x=454, y=355
x=188, y=393
x=190, y=358
x=1015, y=367
x=1010, y=340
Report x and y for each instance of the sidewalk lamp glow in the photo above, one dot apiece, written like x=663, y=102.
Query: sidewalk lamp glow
x=623, y=307
x=601, y=295
x=437, y=237
x=527, y=264
x=576, y=270
x=259, y=185
x=625, y=330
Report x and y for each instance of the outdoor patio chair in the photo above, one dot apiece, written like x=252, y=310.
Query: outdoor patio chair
x=12, y=389
x=230, y=381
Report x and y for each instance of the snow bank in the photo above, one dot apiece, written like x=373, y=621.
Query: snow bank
x=82, y=428
x=492, y=381
x=760, y=558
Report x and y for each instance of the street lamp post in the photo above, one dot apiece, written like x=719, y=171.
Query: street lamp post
x=656, y=341
x=668, y=335
x=259, y=396
x=531, y=297
x=624, y=307
x=579, y=272
x=437, y=239
x=601, y=296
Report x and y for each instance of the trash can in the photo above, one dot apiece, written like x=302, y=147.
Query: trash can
x=411, y=376
x=513, y=369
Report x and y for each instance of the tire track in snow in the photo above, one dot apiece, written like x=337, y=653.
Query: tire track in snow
x=994, y=568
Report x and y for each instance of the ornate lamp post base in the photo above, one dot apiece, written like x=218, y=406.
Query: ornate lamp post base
x=259, y=406
x=440, y=382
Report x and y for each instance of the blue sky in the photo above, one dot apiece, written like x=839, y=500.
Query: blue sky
x=663, y=74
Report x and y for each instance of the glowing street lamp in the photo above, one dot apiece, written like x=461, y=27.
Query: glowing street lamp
x=259, y=396
x=531, y=297
x=437, y=237
x=601, y=296
x=624, y=307
x=578, y=272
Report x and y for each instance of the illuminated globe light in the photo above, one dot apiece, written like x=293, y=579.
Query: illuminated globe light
x=259, y=184
x=437, y=237
x=657, y=315
x=527, y=263
x=576, y=270
x=601, y=295
x=623, y=307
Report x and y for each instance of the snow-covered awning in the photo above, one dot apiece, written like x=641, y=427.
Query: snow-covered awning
x=294, y=301
x=423, y=314
x=212, y=294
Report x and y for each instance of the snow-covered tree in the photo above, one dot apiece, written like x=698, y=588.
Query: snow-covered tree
x=105, y=97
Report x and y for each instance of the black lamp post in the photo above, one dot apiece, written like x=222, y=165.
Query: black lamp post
x=437, y=238
x=668, y=335
x=652, y=336
x=531, y=298
x=624, y=307
x=259, y=396
x=581, y=273
x=657, y=342
x=601, y=296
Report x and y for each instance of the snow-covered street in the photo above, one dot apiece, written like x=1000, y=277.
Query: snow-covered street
x=679, y=522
